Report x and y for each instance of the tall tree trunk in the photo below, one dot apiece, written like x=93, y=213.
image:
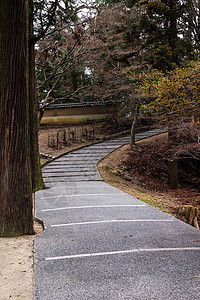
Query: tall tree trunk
x=36, y=174
x=173, y=33
x=134, y=112
x=16, y=215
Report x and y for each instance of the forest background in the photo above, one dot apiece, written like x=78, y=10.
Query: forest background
x=141, y=56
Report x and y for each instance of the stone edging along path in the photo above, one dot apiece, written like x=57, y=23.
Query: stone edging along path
x=101, y=243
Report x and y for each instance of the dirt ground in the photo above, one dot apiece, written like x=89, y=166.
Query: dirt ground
x=72, y=137
x=16, y=259
x=49, y=133
x=16, y=266
x=56, y=140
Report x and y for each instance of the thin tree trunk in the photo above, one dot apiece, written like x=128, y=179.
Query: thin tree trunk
x=36, y=174
x=16, y=215
x=41, y=114
x=74, y=80
x=134, y=122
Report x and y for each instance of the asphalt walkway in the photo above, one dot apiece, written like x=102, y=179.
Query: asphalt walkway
x=101, y=243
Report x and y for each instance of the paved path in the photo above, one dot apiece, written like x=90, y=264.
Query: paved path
x=101, y=243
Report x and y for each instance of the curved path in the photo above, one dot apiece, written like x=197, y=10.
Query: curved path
x=101, y=243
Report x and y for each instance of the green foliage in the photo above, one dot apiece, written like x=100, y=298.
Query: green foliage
x=155, y=27
x=53, y=12
x=156, y=8
x=131, y=3
x=184, y=49
x=162, y=58
x=132, y=32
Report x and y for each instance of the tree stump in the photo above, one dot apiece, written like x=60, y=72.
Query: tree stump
x=190, y=213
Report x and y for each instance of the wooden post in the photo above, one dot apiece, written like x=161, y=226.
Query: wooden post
x=88, y=133
x=69, y=134
x=57, y=140
x=64, y=136
x=82, y=132
x=173, y=173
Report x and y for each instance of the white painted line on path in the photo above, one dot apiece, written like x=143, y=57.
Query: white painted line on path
x=91, y=206
x=91, y=254
x=122, y=252
x=109, y=221
x=79, y=195
x=78, y=186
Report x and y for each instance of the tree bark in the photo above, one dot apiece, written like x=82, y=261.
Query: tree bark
x=36, y=174
x=41, y=114
x=74, y=80
x=16, y=216
x=134, y=122
x=173, y=34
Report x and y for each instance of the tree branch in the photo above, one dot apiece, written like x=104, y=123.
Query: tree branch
x=51, y=17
